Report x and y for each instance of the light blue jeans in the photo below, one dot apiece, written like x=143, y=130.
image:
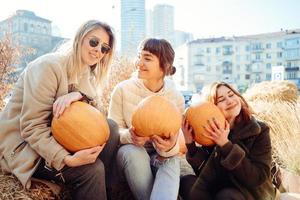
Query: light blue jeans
x=148, y=177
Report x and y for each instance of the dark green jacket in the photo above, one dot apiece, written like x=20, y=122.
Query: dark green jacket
x=244, y=163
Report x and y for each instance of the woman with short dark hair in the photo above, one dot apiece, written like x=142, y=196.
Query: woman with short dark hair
x=149, y=164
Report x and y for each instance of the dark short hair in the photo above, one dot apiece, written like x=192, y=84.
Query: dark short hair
x=163, y=50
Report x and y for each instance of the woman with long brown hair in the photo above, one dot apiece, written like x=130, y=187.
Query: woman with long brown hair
x=238, y=166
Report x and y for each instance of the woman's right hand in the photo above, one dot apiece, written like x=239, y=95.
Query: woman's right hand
x=137, y=140
x=62, y=102
x=83, y=157
x=187, y=130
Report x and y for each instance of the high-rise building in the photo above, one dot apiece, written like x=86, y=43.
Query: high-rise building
x=132, y=25
x=163, y=22
x=149, y=23
x=29, y=31
x=242, y=60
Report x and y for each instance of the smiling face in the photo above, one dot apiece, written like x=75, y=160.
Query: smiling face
x=228, y=102
x=148, y=66
x=91, y=54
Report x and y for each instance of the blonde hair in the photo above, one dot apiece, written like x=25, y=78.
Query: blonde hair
x=73, y=51
x=209, y=93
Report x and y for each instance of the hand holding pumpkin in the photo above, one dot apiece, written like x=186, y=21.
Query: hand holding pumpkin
x=216, y=133
x=137, y=140
x=187, y=131
x=62, y=102
x=83, y=157
x=166, y=144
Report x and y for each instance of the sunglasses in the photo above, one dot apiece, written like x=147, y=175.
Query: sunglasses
x=94, y=42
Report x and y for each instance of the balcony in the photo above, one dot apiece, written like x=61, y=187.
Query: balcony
x=292, y=43
x=291, y=69
x=227, y=71
x=256, y=61
x=227, y=53
x=259, y=49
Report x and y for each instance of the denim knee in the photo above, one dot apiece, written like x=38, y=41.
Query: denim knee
x=114, y=130
x=130, y=154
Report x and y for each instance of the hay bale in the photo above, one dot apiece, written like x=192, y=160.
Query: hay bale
x=270, y=91
x=283, y=119
x=11, y=188
x=121, y=69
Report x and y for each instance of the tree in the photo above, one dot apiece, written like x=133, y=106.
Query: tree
x=9, y=56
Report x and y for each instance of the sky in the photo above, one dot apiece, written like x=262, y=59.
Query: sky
x=203, y=18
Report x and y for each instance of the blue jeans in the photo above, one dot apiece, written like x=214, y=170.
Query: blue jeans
x=147, y=176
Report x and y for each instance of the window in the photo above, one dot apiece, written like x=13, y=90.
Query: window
x=268, y=76
x=227, y=50
x=208, y=68
x=268, y=66
x=279, y=63
x=292, y=42
x=207, y=50
x=257, y=56
x=291, y=75
x=247, y=48
x=279, y=44
x=292, y=53
x=257, y=46
x=248, y=68
x=248, y=57
x=25, y=27
x=218, y=50
x=279, y=54
x=268, y=55
x=247, y=76
x=268, y=45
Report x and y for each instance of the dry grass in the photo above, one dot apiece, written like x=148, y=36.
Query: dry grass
x=278, y=105
x=270, y=91
x=121, y=69
x=11, y=189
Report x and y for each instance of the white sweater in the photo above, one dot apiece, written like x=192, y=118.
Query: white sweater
x=125, y=98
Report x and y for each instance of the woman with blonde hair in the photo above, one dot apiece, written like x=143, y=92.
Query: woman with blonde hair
x=238, y=166
x=47, y=86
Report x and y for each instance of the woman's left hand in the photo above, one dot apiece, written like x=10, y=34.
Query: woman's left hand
x=216, y=133
x=165, y=145
x=62, y=102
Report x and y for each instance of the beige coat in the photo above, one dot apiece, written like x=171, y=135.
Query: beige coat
x=25, y=123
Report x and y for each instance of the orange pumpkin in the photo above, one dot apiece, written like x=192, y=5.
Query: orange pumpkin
x=81, y=126
x=156, y=115
x=197, y=116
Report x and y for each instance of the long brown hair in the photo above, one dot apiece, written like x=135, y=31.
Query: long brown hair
x=163, y=50
x=209, y=93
